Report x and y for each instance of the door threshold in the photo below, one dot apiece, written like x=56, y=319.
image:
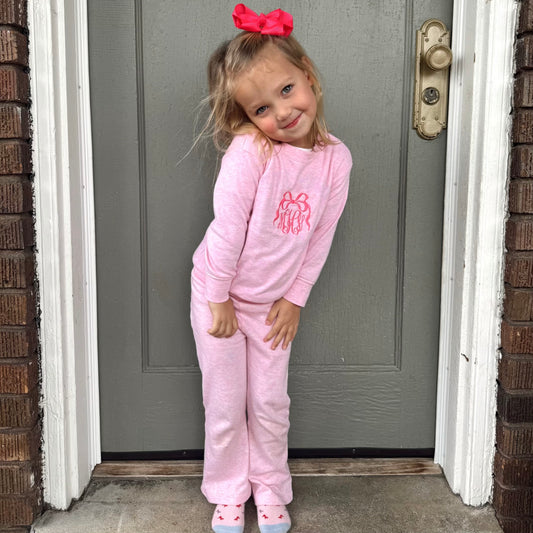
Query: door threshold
x=299, y=468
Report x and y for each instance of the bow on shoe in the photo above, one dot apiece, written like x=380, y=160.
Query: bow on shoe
x=276, y=22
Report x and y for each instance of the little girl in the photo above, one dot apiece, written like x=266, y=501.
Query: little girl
x=280, y=192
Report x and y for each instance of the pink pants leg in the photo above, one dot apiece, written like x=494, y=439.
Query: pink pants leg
x=246, y=408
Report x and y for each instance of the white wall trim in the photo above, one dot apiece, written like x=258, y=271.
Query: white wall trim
x=473, y=243
x=473, y=235
x=62, y=160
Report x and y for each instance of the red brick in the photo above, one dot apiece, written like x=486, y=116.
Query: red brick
x=512, y=525
x=522, y=161
x=18, y=478
x=19, y=411
x=16, y=232
x=15, y=195
x=14, y=121
x=17, y=269
x=526, y=16
x=520, y=196
x=20, y=493
x=523, y=90
x=513, y=502
x=19, y=377
x=15, y=157
x=524, y=52
x=17, y=307
x=518, y=304
x=523, y=126
x=512, y=471
x=515, y=372
x=14, y=12
x=14, y=84
x=517, y=337
x=20, y=444
x=18, y=342
x=519, y=233
x=514, y=440
x=20, y=510
x=519, y=269
x=13, y=47
x=515, y=407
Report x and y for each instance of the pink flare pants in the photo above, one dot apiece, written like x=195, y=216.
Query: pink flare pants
x=244, y=385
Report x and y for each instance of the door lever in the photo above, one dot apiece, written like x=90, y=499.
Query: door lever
x=433, y=59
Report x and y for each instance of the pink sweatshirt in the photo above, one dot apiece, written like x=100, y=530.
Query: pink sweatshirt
x=274, y=221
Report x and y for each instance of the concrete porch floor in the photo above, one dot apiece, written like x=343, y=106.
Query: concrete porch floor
x=380, y=504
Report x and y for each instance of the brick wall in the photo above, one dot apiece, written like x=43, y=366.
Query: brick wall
x=513, y=465
x=20, y=435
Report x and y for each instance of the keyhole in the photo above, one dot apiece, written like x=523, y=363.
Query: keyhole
x=431, y=96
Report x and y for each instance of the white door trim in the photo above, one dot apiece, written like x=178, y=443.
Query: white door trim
x=476, y=176
x=66, y=268
x=473, y=243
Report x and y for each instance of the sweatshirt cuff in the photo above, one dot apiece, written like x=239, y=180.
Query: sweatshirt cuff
x=299, y=292
x=217, y=290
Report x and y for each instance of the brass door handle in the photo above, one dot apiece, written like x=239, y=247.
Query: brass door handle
x=433, y=59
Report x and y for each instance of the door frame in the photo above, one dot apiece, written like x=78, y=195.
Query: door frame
x=475, y=209
x=473, y=236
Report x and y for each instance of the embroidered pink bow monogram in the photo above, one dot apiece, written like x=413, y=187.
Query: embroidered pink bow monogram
x=293, y=213
x=276, y=22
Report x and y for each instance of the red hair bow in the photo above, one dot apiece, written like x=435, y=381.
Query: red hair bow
x=277, y=22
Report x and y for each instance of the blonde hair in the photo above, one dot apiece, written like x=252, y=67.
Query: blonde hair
x=229, y=60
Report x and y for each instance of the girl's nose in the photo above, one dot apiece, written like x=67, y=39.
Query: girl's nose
x=283, y=113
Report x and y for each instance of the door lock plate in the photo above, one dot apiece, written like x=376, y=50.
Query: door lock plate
x=433, y=59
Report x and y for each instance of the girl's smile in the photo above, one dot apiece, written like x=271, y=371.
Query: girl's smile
x=293, y=123
x=278, y=98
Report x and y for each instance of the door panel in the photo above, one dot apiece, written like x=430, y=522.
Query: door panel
x=363, y=367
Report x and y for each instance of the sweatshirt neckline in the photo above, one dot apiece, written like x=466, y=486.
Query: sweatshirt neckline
x=303, y=149
x=297, y=152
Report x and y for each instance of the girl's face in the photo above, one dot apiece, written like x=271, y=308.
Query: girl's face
x=277, y=97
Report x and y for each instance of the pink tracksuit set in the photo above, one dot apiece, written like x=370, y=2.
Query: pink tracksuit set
x=275, y=217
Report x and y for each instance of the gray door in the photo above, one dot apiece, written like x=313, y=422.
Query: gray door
x=363, y=370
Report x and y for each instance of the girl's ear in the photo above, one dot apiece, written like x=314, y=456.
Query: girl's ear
x=309, y=69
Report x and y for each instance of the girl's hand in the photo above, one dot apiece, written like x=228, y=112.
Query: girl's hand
x=285, y=316
x=224, y=319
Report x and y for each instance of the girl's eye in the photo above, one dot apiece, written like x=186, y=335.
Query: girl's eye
x=261, y=110
x=287, y=89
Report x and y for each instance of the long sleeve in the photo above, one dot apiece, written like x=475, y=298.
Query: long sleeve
x=320, y=242
x=275, y=217
x=233, y=201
